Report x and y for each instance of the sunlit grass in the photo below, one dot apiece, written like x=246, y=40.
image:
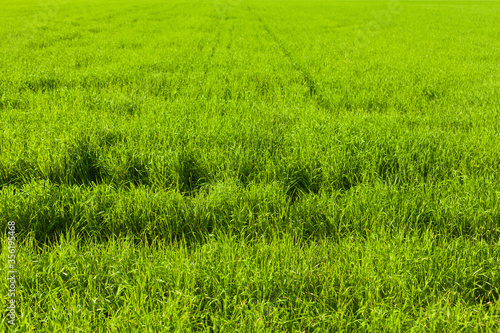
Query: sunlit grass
x=182, y=166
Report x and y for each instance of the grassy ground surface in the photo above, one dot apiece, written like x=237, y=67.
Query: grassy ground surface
x=251, y=166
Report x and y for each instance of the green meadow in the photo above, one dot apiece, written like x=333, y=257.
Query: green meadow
x=250, y=166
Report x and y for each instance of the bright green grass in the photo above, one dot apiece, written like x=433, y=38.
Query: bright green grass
x=398, y=283
x=256, y=165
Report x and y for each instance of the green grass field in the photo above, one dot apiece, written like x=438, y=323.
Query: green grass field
x=250, y=166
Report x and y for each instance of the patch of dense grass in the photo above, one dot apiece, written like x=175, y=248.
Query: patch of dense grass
x=252, y=166
x=378, y=283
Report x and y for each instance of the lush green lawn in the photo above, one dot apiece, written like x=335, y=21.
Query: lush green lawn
x=302, y=166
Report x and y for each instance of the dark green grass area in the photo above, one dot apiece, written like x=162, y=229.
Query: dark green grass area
x=251, y=165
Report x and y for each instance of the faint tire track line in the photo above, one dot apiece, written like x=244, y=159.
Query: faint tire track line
x=312, y=85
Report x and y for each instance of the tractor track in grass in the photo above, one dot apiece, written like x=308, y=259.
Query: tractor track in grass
x=312, y=85
x=215, y=46
x=222, y=43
